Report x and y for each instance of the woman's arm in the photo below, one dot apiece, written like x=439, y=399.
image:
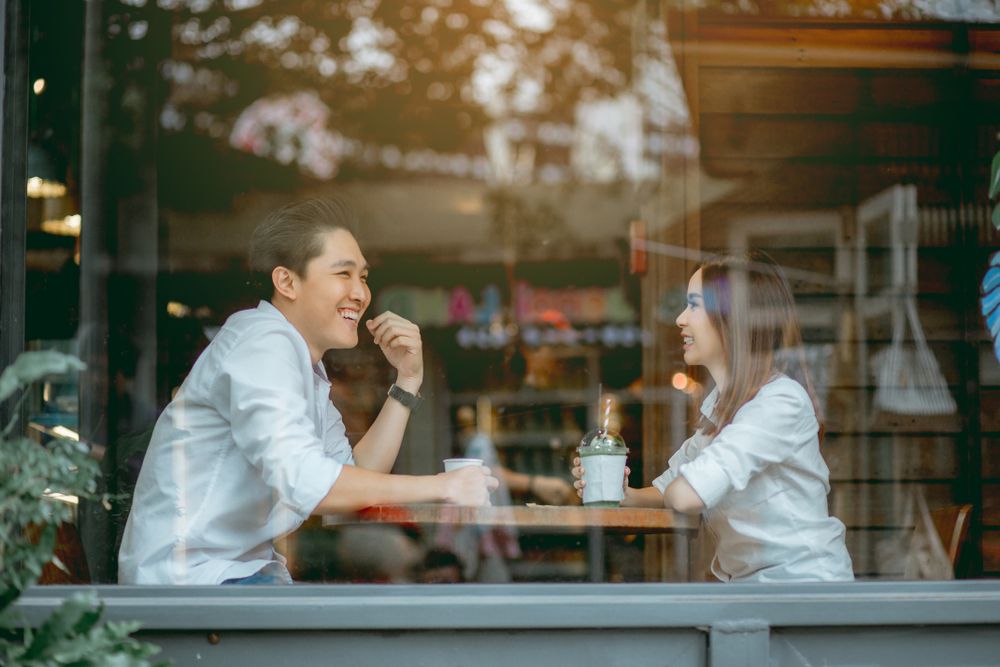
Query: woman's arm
x=645, y=497
x=766, y=431
x=681, y=497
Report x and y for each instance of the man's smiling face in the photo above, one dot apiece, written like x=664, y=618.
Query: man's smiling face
x=332, y=295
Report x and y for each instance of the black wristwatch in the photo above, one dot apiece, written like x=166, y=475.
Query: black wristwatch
x=412, y=401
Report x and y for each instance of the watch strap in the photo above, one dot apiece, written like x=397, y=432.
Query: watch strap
x=411, y=401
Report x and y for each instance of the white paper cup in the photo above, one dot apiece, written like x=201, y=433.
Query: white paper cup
x=455, y=464
x=605, y=478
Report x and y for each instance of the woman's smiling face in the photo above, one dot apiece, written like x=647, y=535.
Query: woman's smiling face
x=702, y=342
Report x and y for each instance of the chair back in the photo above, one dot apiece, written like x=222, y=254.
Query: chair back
x=952, y=525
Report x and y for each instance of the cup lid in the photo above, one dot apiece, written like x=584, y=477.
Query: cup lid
x=601, y=441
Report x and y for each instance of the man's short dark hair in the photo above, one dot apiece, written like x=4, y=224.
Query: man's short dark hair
x=293, y=235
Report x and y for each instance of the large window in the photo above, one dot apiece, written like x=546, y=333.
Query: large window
x=536, y=180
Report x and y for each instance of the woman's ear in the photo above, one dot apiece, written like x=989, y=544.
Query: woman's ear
x=285, y=282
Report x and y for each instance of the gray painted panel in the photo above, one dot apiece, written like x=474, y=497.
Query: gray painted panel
x=896, y=623
x=887, y=647
x=744, y=643
x=616, y=648
x=536, y=606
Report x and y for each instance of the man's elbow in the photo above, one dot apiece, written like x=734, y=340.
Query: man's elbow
x=345, y=496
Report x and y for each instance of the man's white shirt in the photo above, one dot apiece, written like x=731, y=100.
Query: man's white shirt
x=242, y=456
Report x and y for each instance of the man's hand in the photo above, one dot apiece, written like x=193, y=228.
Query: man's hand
x=470, y=485
x=400, y=342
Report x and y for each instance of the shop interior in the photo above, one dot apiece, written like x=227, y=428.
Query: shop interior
x=534, y=190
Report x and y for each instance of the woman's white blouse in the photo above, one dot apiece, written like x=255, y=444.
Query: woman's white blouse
x=764, y=484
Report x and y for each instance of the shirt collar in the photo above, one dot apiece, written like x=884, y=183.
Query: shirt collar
x=268, y=308
x=708, y=405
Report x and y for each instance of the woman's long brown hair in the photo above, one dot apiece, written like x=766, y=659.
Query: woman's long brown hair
x=749, y=302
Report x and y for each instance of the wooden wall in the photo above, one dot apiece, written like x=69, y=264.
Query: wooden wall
x=807, y=120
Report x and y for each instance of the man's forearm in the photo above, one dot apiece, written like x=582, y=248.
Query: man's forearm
x=357, y=488
x=379, y=447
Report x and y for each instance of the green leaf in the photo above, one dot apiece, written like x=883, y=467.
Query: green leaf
x=32, y=366
x=996, y=217
x=60, y=624
x=88, y=620
x=995, y=180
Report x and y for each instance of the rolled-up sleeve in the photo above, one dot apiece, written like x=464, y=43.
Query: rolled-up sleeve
x=678, y=459
x=269, y=414
x=766, y=430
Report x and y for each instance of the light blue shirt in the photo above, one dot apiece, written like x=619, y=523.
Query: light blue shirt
x=764, y=484
x=242, y=456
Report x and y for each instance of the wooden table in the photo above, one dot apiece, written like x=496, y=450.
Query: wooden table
x=594, y=521
x=613, y=519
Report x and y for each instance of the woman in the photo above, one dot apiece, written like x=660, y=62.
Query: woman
x=753, y=468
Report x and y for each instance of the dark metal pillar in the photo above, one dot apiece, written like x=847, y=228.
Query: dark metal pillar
x=13, y=177
x=119, y=248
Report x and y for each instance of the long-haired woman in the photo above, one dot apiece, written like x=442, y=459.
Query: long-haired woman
x=753, y=469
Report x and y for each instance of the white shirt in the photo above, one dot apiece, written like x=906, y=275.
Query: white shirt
x=240, y=457
x=764, y=484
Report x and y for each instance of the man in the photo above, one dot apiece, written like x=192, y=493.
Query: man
x=251, y=444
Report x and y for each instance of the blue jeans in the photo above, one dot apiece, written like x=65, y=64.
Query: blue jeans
x=270, y=574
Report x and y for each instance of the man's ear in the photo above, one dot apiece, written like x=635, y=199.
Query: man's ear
x=285, y=282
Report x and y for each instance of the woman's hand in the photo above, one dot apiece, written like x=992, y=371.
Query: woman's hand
x=402, y=346
x=578, y=473
x=470, y=485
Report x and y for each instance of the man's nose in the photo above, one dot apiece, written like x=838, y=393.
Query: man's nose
x=360, y=291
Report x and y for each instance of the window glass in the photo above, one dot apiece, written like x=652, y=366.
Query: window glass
x=536, y=183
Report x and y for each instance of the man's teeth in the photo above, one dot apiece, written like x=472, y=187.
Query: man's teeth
x=350, y=315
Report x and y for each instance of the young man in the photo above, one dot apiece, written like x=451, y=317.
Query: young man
x=251, y=444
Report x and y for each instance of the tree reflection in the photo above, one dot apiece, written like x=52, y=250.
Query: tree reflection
x=337, y=87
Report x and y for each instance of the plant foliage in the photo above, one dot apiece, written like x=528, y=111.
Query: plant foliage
x=32, y=478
